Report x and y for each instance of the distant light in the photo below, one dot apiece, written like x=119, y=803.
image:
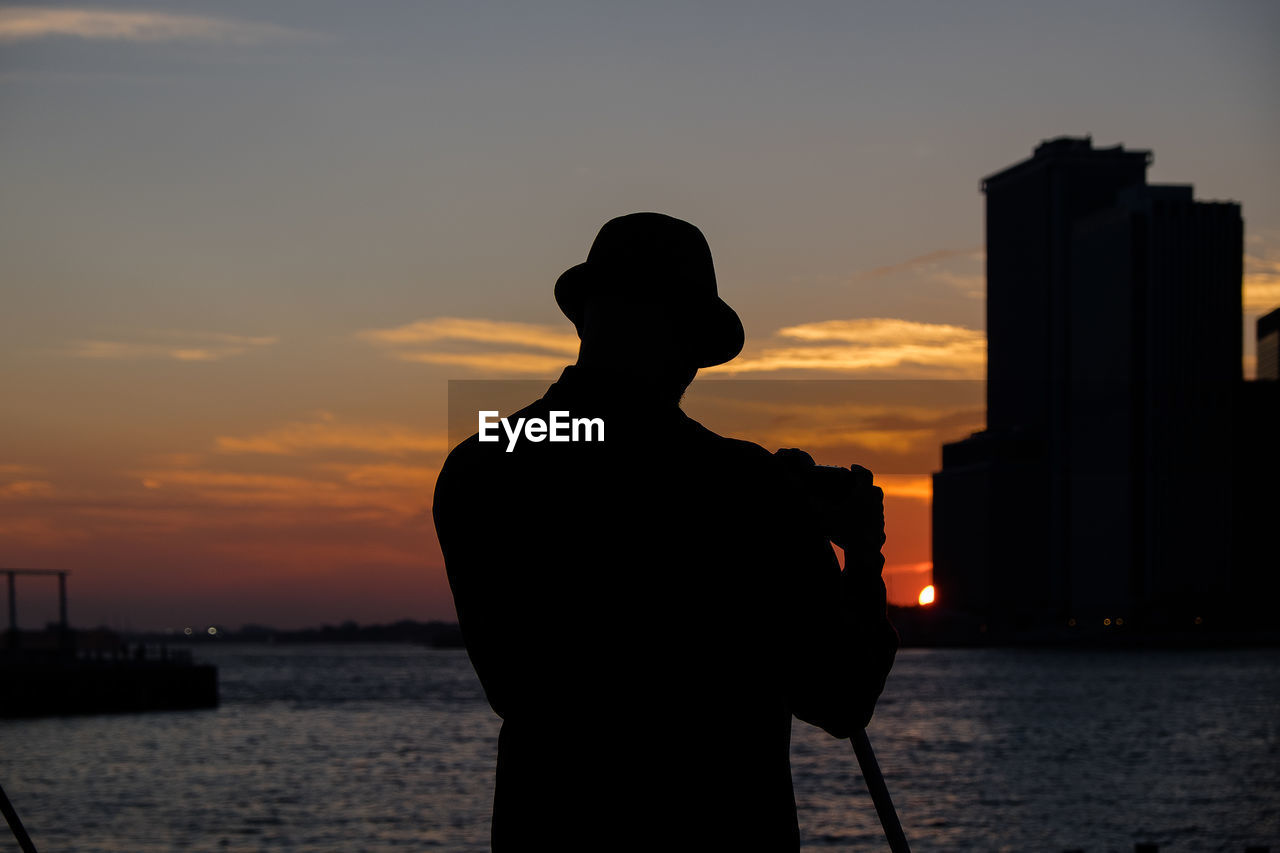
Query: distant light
x=1199, y=620
x=187, y=631
x=1106, y=621
x=212, y=630
x=1119, y=621
x=927, y=595
x=1072, y=622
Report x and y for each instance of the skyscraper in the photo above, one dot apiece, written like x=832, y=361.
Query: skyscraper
x=1101, y=488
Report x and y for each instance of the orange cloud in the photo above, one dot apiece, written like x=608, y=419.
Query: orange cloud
x=477, y=330
x=25, y=489
x=418, y=477
x=1262, y=280
x=371, y=493
x=304, y=478
x=817, y=437
x=22, y=23
x=328, y=434
x=19, y=481
x=894, y=426
x=494, y=362
x=185, y=346
x=878, y=343
x=494, y=346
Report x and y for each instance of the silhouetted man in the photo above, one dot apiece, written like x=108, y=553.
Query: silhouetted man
x=646, y=612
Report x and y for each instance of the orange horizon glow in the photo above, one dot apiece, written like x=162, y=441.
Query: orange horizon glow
x=274, y=513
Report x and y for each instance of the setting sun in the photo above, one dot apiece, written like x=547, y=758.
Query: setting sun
x=926, y=595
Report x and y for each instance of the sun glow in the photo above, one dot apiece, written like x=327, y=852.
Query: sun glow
x=926, y=595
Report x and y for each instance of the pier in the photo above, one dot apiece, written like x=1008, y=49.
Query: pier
x=63, y=671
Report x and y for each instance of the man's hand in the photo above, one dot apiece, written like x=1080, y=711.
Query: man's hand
x=863, y=512
x=846, y=505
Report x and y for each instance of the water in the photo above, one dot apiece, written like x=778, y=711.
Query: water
x=348, y=748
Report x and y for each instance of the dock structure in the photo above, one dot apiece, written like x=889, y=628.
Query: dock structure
x=63, y=671
x=13, y=594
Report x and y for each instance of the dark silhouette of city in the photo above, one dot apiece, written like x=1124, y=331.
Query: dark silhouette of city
x=647, y=612
x=1126, y=477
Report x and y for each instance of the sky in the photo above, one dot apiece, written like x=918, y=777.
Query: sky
x=245, y=246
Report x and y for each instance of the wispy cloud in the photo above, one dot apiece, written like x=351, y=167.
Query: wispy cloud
x=328, y=434
x=893, y=427
x=23, y=23
x=847, y=346
x=879, y=331
x=957, y=268
x=479, y=344
x=927, y=261
x=338, y=493
x=176, y=346
x=899, y=442
x=25, y=489
x=491, y=362
x=19, y=481
x=552, y=338
x=387, y=475
x=871, y=344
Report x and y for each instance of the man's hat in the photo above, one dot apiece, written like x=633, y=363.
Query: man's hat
x=657, y=259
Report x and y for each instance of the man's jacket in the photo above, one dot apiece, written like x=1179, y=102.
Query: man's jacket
x=646, y=614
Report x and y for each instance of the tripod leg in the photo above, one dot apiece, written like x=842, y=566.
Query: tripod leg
x=15, y=823
x=879, y=793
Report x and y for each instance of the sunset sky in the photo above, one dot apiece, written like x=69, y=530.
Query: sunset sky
x=244, y=246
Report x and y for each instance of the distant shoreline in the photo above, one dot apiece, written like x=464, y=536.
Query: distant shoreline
x=917, y=627
x=441, y=635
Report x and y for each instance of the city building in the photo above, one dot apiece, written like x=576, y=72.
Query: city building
x=1101, y=492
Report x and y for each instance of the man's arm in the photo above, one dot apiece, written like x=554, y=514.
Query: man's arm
x=844, y=645
x=462, y=523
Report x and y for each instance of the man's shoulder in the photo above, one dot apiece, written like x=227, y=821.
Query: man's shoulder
x=458, y=471
x=736, y=449
x=472, y=457
x=465, y=453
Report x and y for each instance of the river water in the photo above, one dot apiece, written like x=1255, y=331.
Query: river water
x=390, y=747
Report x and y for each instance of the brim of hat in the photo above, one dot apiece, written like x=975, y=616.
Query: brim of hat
x=712, y=329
